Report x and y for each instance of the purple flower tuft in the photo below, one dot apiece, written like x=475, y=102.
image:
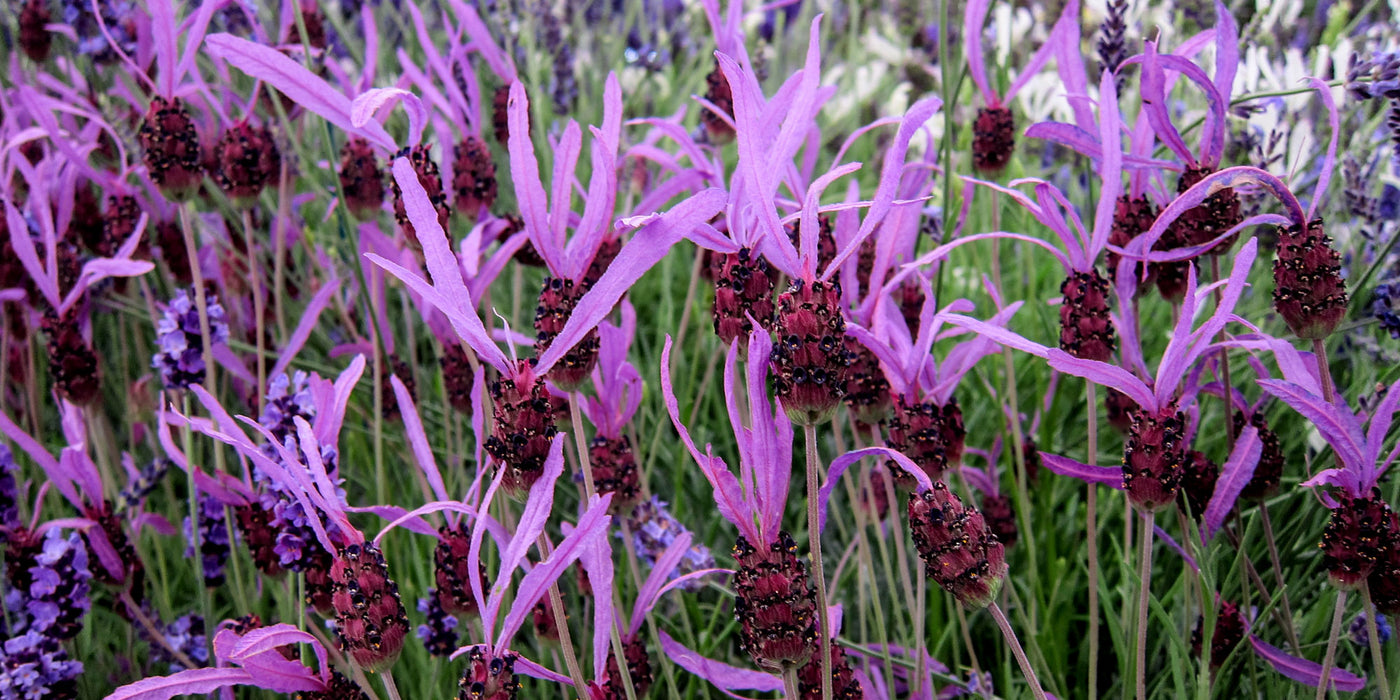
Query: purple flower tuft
x=180, y=350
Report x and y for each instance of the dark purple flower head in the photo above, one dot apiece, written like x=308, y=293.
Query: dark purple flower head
x=213, y=539
x=180, y=348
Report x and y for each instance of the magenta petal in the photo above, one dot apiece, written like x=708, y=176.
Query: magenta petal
x=974, y=19
x=526, y=667
x=538, y=506
x=665, y=564
x=596, y=557
x=198, y=681
x=418, y=439
x=644, y=250
x=593, y=524
x=163, y=31
x=304, y=327
x=1304, y=671
x=1234, y=476
x=1154, y=104
x=1064, y=466
x=1329, y=162
x=1104, y=374
x=722, y=675
x=364, y=108
x=1339, y=432
x=296, y=82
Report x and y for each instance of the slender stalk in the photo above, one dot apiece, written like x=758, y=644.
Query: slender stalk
x=255, y=281
x=919, y=645
x=1224, y=365
x=1144, y=592
x=1326, y=678
x=1377, y=655
x=1274, y=563
x=695, y=269
x=967, y=640
x=566, y=642
x=1324, y=370
x=153, y=632
x=1017, y=651
x=200, y=303
x=389, y=686
x=279, y=251
x=187, y=444
x=814, y=536
x=581, y=444
x=790, y=684
x=1091, y=527
x=897, y=534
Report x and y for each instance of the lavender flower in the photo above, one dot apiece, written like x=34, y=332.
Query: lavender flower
x=53, y=593
x=185, y=635
x=142, y=484
x=287, y=398
x=119, y=16
x=180, y=357
x=1359, y=630
x=35, y=665
x=439, y=631
x=1383, y=307
x=9, y=503
x=654, y=530
x=213, y=539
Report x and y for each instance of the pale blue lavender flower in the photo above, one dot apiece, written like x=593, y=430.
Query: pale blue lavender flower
x=1384, y=303
x=439, y=632
x=213, y=539
x=654, y=529
x=180, y=349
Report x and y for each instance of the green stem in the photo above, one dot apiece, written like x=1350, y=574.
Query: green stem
x=1377, y=655
x=814, y=536
x=1144, y=593
x=1326, y=678
x=1091, y=528
x=1017, y=651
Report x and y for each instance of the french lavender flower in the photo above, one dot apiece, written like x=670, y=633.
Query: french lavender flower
x=439, y=630
x=142, y=484
x=34, y=38
x=180, y=354
x=654, y=530
x=1360, y=635
x=287, y=398
x=213, y=539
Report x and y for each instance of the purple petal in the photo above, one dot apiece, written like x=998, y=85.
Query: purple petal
x=1234, y=476
x=596, y=556
x=198, y=681
x=296, y=82
x=1110, y=166
x=974, y=19
x=1104, y=374
x=304, y=327
x=665, y=564
x=1329, y=162
x=1064, y=466
x=1154, y=103
x=1338, y=431
x=163, y=31
x=24, y=249
x=329, y=418
x=499, y=61
x=364, y=108
x=722, y=675
x=418, y=439
x=538, y=506
x=1066, y=30
x=194, y=36
x=1227, y=178
x=644, y=250
x=593, y=524
x=526, y=667
x=1304, y=671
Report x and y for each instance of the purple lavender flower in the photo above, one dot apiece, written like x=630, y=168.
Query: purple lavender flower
x=54, y=597
x=180, y=357
x=119, y=16
x=439, y=631
x=35, y=665
x=185, y=635
x=9, y=505
x=1383, y=307
x=141, y=484
x=213, y=539
x=287, y=398
x=1360, y=634
x=654, y=529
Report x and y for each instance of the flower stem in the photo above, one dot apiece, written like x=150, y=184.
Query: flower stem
x=200, y=303
x=1144, y=592
x=790, y=684
x=1278, y=577
x=1377, y=654
x=919, y=645
x=1016, y=650
x=581, y=444
x=1324, y=370
x=1325, y=679
x=255, y=281
x=389, y=686
x=1091, y=528
x=566, y=642
x=814, y=536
